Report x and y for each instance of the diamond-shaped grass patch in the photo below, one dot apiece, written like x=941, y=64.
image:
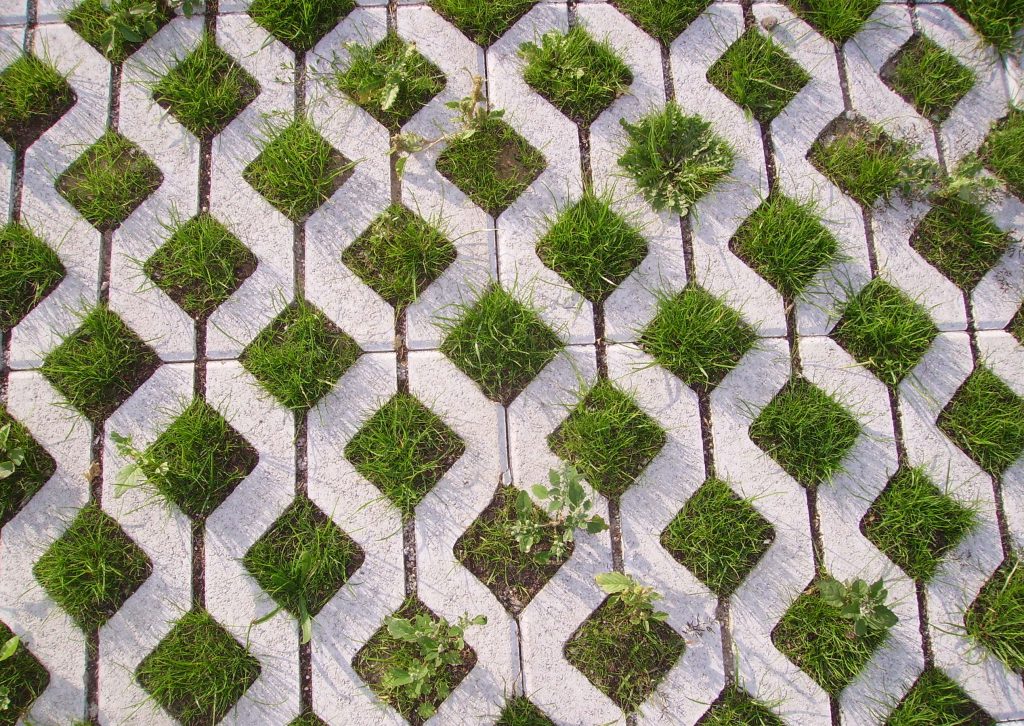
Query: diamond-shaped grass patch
x=718, y=537
x=297, y=170
x=299, y=24
x=34, y=470
x=22, y=679
x=198, y=671
x=757, y=75
x=206, y=90
x=1003, y=151
x=592, y=247
x=579, y=75
x=662, y=20
x=500, y=343
x=482, y=21
x=885, y=331
x=608, y=438
x=996, y=618
x=960, y=240
x=93, y=19
x=697, y=337
x=404, y=450
x=806, y=431
x=520, y=711
x=109, y=181
x=625, y=660
x=986, y=419
x=785, y=242
x=928, y=77
x=300, y=356
x=936, y=700
x=391, y=80
x=815, y=637
x=837, y=20
x=29, y=270
x=1016, y=325
x=493, y=167
x=100, y=365
x=201, y=265
x=490, y=551
x=93, y=568
x=33, y=97
x=399, y=256
x=735, y=707
x=205, y=459
x=384, y=653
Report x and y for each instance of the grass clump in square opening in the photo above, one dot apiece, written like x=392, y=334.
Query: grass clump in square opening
x=206, y=90
x=818, y=640
x=756, y=74
x=579, y=75
x=785, y=242
x=662, y=19
x=996, y=20
x=936, y=700
x=697, y=337
x=92, y=569
x=198, y=671
x=1003, y=151
x=806, y=431
x=391, y=80
x=300, y=356
x=718, y=537
x=29, y=270
x=521, y=711
x=205, y=460
x=299, y=24
x=608, y=438
x=399, y=256
x=100, y=365
x=33, y=97
x=22, y=680
x=986, y=419
x=996, y=618
x=109, y=181
x=500, y=343
x=94, y=20
x=493, y=167
x=885, y=331
x=675, y=159
x=592, y=247
x=837, y=20
x=29, y=476
x=915, y=524
x=1016, y=325
x=490, y=551
x=482, y=21
x=201, y=265
x=735, y=707
x=404, y=450
x=928, y=77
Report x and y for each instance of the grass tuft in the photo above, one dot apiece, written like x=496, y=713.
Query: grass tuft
x=308, y=719
x=1016, y=325
x=520, y=711
x=1003, y=151
x=482, y=21
x=998, y=21
x=33, y=97
x=299, y=24
x=837, y=20
x=928, y=77
x=734, y=707
x=960, y=240
x=935, y=700
x=986, y=419
x=22, y=677
x=662, y=19
x=29, y=270
x=29, y=476
x=996, y=618
x=90, y=20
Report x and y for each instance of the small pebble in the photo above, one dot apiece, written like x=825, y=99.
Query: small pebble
x=769, y=22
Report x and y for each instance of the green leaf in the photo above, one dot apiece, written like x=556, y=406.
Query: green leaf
x=425, y=710
x=851, y=611
x=613, y=582
x=860, y=627
x=398, y=677
x=390, y=96
x=16, y=456
x=541, y=492
x=400, y=165
x=576, y=494
x=877, y=589
x=595, y=524
x=832, y=592
x=886, y=617
x=9, y=647
x=5, y=434
x=6, y=469
x=401, y=629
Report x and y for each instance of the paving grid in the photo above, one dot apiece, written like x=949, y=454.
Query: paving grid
x=707, y=434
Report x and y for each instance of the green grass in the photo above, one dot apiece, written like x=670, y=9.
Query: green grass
x=697, y=337
x=206, y=89
x=675, y=159
x=205, y=457
x=499, y=343
x=308, y=719
x=928, y=77
x=718, y=537
x=520, y=711
x=1003, y=151
x=29, y=476
x=493, y=167
x=404, y=450
x=986, y=420
x=579, y=75
x=662, y=19
x=22, y=677
x=392, y=66
x=33, y=97
x=592, y=247
x=608, y=438
x=960, y=240
x=29, y=270
x=996, y=20
x=300, y=356
x=785, y=242
x=915, y=524
x=383, y=653
x=89, y=20
x=201, y=265
x=885, y=331
x=757, y=75
x=935, y=700
x=624, y=660
x=734, y=707
x=806, y=432
x=1016, y=325
x=399, y=256
x=107, y=182
x=996, y=618
x=299, y=24
x=92, y=569
x=198, y=671
x=100, y=365
x=483, y=21
x=490, y=551
x=815, y=637
x=837, y=20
